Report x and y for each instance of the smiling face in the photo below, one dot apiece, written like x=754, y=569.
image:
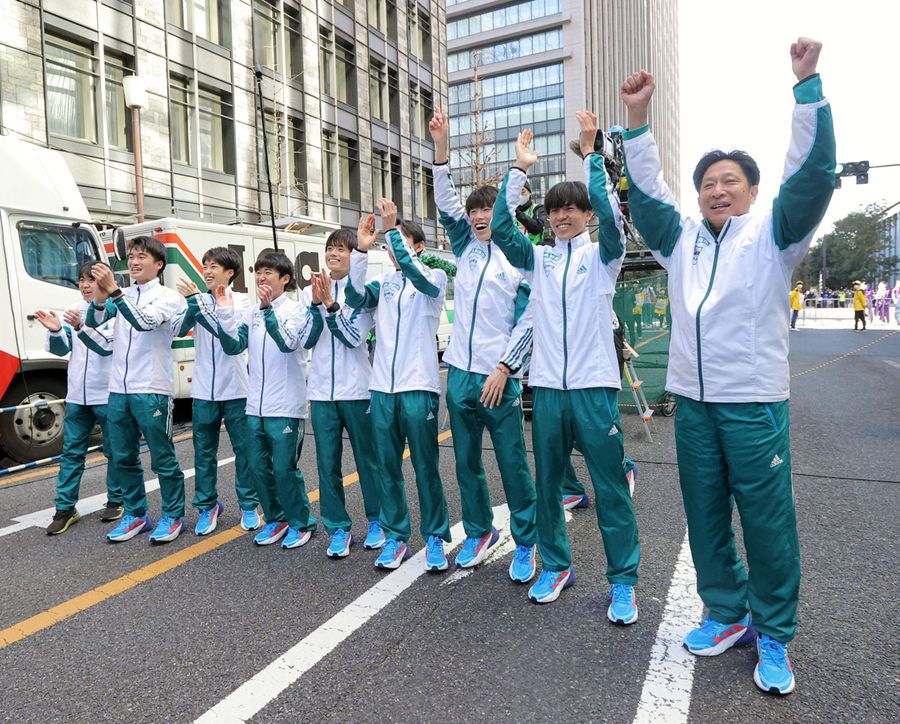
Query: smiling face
x=214, y=274
x=337, y=259
x=143, y=266
x=481, y=222
x=87, y=286
x=270, y=276
x=569, y=221
x=725, y=191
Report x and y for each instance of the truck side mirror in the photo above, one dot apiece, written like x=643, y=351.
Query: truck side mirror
x=120, y=246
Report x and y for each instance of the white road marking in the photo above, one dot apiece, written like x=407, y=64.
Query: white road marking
x=42, y=518
x=504, y=546
x=254, y=695
x=666, y=696
x=892, y=363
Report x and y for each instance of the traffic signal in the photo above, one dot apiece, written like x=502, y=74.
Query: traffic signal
x=860, y=169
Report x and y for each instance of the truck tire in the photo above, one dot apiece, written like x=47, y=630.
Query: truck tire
x=34, y=433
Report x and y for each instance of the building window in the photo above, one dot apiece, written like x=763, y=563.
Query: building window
x=421, y=109
x=268, y=38
x=378, y=15
x=397, y=183
x=502, y=17
x=509, y=50
x=202, y=17
x=348, y=151
x=423, y=192
x=329, y=164
x=215, y=127
x=418, y=33
x=394, y=94
x=391, y=20
x=378, y=90
x=345, y=71
x=287, y=153
x=74, y=107
x=381, y=175
x=181, y=112
x=326, y=61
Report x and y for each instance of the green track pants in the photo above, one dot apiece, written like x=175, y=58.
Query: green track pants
x=128, y=417
x=397, y=418
x=207, y=419
x=741, y=453
x=587, y=419
x=329, y=420
x=78, y=424
x=571, y=485
x=275, y=446
x=468, y=418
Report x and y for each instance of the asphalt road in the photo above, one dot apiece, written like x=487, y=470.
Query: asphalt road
x=181, y=628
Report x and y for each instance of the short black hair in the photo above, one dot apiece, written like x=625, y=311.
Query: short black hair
x=153, y=246
x=481, y=198
x=341, y=238
x=84, y=271
x=412, y=231
x=278, y=261
x=567, y=193
x=741, y=158
x=225, y=258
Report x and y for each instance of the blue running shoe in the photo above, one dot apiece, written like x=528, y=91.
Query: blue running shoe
x=208, y=519
x=296, y=538
x=774, y=672
x=341, y=540
x=712, y=638
x=250, y=519
x=522, y=568
x=393, y=553
x=129, y=527
x=550, y=584
x=576, y=501
x=475, y=550
x=271, y=533
x=374, y=537
x=168, y=529
x=622, y=604
x=435, y=560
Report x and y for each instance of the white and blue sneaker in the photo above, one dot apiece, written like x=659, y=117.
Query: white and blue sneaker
x=296, y=538
x=374, y=537
x=475, y=550
x=250, y=519
x=523, y=567
x=341, y=540
x=435, y=560
x=208, y=519
x=774, y=672
x=622, y=604
x=551, y=584
x=168, y=529
x=271, y=533
x=712, y=638
x=576, y=501
x=129, y=527
x=393, y=553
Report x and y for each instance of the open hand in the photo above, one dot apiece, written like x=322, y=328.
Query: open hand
x=187, y=288
x=388, y=211
x=439, y=128
x=72, y=317
x=805, y=57
x=105, y=278
x=49, y=320
x=494, y=386
x=222, y=298
x=526, y=156
x=588, y=134
x=316, y=288
x=265, y=295
x=325, y=284
x=366, y=233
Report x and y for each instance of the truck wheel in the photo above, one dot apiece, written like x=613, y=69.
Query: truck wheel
x=33, y=433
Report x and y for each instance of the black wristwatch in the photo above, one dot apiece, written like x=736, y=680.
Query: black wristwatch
x=332, y=308
x=116, y=294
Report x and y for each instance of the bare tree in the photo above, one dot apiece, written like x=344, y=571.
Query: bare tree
x=481, y=155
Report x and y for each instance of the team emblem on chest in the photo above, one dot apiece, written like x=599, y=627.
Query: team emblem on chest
x=551, y=261
x=475, y=256
x=390, y=289
x=699, y=244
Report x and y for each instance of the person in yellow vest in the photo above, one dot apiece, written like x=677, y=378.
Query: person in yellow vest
x=859, y=308
x=796, y=303
x=661, y=307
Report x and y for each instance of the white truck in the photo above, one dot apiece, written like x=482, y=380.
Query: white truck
x=46, y=234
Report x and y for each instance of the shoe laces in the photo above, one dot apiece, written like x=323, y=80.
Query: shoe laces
x=772, y=652
x=436, y=545
x=523, y=554
x=622, y=593
x=391, y=546
x=339, y=536
x=546, y=578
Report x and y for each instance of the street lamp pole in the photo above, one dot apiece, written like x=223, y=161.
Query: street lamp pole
x=136, y=98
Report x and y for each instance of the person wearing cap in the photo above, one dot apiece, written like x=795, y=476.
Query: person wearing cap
x=796, y=303
x=728, y=275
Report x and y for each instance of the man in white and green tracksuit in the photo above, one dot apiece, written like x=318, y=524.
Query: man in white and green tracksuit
x=404, y=384
x=338, y=390
x=574, y=371
x=219, y=391
x=729, y=277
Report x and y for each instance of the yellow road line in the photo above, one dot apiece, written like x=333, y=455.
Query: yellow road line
x=69, y=608
x=845, y=355
x=652, y=339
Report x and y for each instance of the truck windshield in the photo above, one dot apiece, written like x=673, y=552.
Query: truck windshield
x=54, y=252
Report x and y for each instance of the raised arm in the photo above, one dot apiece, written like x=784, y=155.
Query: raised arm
x=513, y=243
x=431, y=282
x=653, y=207
x=359, y=294
x=808, y=180
x=59, y=337
x=452, y=213
x=233, y=326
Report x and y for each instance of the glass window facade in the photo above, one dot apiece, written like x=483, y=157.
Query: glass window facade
x=508, y=50
x=203, y=17
x=379, y=101
x=502, y=17
x=268, y=38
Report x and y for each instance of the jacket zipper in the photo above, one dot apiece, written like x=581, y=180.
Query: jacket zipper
x=128, y=350
x=262, y=381
x=565, y=318
x=86, y=355
x=712, y=278
x=397, y=334
x=475, y=306
x=332, y=347
x=212, y=354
